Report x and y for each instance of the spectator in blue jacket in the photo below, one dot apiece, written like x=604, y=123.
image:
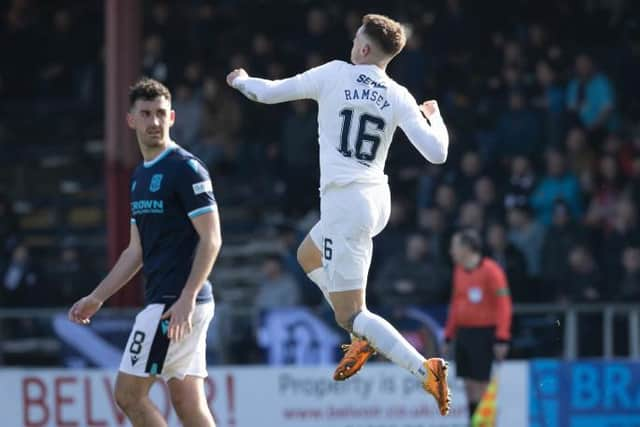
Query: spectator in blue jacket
x=590, y=96
x=557, y=184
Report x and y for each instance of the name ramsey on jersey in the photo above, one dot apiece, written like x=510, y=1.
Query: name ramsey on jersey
x=372, y=95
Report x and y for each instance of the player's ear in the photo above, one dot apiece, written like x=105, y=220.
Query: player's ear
x=172, y=117
x=130, y=120
x=366, y=49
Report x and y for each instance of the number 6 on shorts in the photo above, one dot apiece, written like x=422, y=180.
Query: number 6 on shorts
x=328, y=251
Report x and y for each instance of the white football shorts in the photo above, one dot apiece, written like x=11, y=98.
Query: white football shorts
x=350, y=216
x=150, y=352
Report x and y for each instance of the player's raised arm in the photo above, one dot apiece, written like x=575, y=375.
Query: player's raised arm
x=429, y=136
x=306, y=85
x=265, y=91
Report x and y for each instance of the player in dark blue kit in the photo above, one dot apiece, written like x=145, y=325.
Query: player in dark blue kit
x=175, y=239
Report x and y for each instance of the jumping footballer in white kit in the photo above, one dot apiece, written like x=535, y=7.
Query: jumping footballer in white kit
x=359, y=109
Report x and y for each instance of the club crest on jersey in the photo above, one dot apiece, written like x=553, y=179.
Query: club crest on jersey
x=156, y=182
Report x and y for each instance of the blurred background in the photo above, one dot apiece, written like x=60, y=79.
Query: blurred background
x=542, y=102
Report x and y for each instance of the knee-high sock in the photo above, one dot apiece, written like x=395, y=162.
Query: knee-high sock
x=319, y=277
x=388, y=341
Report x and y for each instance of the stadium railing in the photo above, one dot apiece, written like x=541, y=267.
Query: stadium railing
x=567, y=320
x=608, y=312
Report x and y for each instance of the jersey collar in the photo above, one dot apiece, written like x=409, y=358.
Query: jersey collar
x=375, y=69
x=160, y=156
x=475, y=267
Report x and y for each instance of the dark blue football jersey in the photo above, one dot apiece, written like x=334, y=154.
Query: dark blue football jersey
x=166, y=193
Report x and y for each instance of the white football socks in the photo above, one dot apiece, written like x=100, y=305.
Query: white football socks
x=388, y=342
x=319, y=277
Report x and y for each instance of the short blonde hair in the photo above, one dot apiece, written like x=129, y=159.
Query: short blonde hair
x=386, y=32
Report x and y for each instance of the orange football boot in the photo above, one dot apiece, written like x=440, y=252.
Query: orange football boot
x=355, y=356
x=436, y=383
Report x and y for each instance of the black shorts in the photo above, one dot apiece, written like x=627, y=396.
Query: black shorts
x=474, y=352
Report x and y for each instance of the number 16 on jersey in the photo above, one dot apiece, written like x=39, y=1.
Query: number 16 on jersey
x=362, y=151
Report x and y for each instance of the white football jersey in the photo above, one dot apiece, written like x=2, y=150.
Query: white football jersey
x=359, y=109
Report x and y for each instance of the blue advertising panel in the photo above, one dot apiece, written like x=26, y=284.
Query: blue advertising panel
x=584, y=394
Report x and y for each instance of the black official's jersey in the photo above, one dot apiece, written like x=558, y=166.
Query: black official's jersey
x=165, y=194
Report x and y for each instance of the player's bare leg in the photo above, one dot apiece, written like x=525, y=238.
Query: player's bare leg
x=189, y=402
x=352, y=314
x=132, y=396
x=358, y=351
x=309, y=255
x=356, y=354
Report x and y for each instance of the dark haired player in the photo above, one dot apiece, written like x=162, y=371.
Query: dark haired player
x=175, y=239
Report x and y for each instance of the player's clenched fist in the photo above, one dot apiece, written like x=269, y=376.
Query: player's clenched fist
x=238, y=72
x=429, y=108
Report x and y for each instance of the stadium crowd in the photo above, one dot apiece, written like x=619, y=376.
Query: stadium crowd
x=541, y=102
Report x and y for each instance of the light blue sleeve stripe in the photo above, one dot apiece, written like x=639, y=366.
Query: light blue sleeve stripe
x=133, y=220
x=201, y=211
